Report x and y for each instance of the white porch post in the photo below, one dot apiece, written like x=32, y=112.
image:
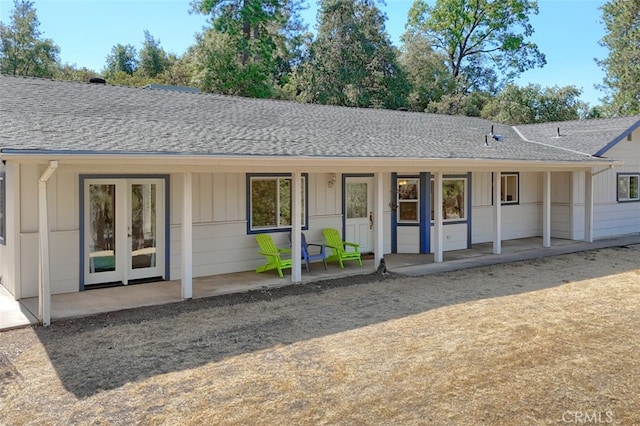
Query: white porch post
x=378, y=212
x=437, y=218
x=588, y=206
x=497, y=213
x=44, y=284
x=296, y=227
x=546, y=210
x=187, y=237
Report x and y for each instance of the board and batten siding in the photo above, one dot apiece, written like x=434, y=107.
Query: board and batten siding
x=520, y=220
x=611, y=218
x=221, y=244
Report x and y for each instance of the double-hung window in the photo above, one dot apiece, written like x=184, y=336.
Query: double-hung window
x=628, y=187
x=270, y=202
x=408, y=201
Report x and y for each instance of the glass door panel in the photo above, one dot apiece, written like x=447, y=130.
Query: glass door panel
x=143, y=226
x=357, y=200
x=145, y=229
x=102, y=225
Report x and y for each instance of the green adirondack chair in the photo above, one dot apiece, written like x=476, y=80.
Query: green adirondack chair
x=272, y=253
x=340, y=250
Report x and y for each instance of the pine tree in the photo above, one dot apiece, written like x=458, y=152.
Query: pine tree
x=622, y=66
x=352, y=61
x=23, y=51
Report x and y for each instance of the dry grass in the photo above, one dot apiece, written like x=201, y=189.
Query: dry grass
x=551, y=341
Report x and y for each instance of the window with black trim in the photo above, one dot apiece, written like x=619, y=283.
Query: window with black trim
x=270, y=201
x=408, y=201
x=628, y=187
x=3, y=207
x=509, y=188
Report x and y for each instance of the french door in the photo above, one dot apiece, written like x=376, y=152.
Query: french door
x=124, y=236
x=359, y=212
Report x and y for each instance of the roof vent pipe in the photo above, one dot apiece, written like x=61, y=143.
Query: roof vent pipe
x=558, y=133
x=491, y=130
x=486, y=140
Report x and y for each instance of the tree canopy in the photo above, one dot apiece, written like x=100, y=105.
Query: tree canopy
x=483, y=40
x=622, y=66
x=23, y=50
x=123, y=58
x=534, y=104
x=253, y=42
x=352, y=61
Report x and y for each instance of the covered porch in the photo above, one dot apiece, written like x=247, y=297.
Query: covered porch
x=96, y=301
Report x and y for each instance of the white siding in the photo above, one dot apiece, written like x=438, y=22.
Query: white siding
x=611, y=218
x=454, y=237
x=518, y=220
x=561, y=210
x=408, y=239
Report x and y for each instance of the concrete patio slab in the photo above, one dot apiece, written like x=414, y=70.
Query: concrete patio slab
x=14, y=314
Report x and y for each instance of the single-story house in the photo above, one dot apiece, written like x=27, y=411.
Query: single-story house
x=109, y=184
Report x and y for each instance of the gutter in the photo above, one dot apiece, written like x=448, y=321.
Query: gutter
x=44, y=284
x=319, y=163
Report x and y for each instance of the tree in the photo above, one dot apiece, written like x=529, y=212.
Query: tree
x=426, y=70
x=217, y=68
x=23, y=51
x=254, y=40
x=352, y=61
x=459, y=103
x=622, y=66
x=153, y=59
x=479, y=38
x=122, y=59
x=534, y=104
x=73, y=73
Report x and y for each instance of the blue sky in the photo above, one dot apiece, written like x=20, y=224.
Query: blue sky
x=566, y=31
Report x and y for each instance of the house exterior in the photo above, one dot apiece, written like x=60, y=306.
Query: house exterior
x=103, y=184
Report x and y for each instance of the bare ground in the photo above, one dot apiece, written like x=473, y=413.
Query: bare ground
x=550, y=341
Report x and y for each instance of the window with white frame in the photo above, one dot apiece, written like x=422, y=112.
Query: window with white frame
x=454, y=198
x=509, y=188
x=270, y=202
x=3, y=207
x=408, y=200
x=628, y=186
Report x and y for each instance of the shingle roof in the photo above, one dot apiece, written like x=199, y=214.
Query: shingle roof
x=46, y=115
x=589, y=136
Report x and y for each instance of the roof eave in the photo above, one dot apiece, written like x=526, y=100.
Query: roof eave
x=255, y=162
x=614, y=142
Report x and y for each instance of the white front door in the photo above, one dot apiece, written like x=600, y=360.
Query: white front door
x=123, y=230
x=359, y=212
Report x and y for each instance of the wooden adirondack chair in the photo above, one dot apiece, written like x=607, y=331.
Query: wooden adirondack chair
x=274, y=261
x=340, y=250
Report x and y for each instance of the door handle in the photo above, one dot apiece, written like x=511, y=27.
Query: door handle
x=370, y=220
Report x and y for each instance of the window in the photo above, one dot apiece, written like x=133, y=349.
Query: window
x=3, y=207
x=628, y=187
x=454, y=196
x=509, y=188
x=270, y=202
x=408, y=201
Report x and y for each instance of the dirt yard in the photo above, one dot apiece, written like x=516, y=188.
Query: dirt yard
x=550, y=341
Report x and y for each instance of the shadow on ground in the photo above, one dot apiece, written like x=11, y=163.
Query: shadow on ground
x=107, y=351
